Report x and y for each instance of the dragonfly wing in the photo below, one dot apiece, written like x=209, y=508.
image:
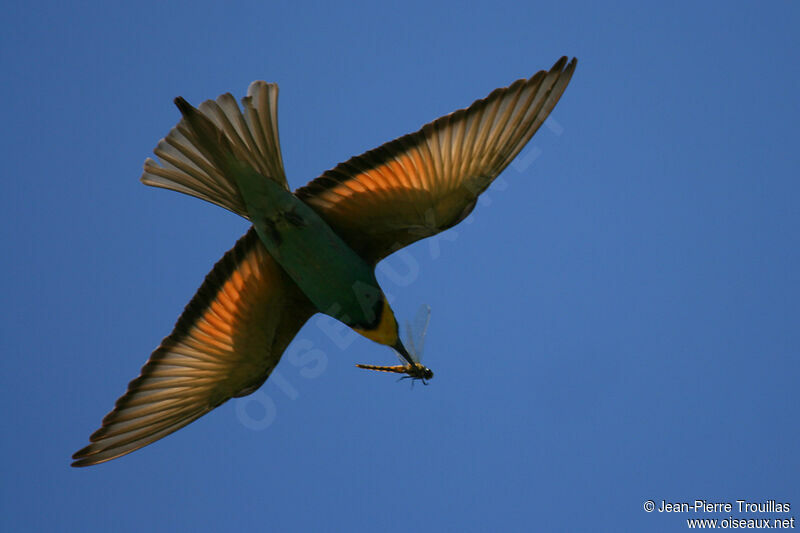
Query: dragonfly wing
x=420, y=329
x=415, y=333
x=410, y=346
x=225, y=344
x=425, y=182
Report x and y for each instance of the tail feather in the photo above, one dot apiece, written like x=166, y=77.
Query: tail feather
x=185, y=163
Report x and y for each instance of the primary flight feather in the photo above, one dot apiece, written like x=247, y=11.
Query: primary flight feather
x=310, y=251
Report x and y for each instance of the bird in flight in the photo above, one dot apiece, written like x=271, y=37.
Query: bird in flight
x=308, y=251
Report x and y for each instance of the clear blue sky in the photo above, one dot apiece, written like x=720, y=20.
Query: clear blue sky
x=618, y=321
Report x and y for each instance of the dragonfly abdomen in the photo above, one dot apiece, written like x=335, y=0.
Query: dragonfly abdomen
x=398, y=369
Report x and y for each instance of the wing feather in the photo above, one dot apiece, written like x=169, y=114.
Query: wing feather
x=425, y=182
x=225, y=344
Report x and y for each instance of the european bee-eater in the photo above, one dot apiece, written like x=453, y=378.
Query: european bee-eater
x=314, y=250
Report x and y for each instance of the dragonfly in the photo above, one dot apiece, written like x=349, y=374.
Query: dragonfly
x=415, y=343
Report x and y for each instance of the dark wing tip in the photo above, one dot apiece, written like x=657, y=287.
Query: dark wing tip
x=559, y=65
x=570, y=68
x=83, y=458
x=562, y=65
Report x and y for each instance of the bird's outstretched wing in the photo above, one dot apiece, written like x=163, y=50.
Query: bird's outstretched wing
x=425, y=182
x=378, y=202
x=225, y=344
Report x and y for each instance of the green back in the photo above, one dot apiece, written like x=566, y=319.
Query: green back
x=336, y=279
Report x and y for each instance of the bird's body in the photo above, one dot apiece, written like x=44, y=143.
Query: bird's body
x=313, y=250
x=337, y=280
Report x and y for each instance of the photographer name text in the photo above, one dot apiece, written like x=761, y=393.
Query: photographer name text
x=740, y=506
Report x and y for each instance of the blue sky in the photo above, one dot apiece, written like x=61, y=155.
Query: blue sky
x=616, y=322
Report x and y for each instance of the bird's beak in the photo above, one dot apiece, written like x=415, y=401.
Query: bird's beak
x=399, y=348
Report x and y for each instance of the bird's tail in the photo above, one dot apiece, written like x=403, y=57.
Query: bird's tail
x=192, y=157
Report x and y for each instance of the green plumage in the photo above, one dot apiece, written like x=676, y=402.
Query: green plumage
x=337, y=280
